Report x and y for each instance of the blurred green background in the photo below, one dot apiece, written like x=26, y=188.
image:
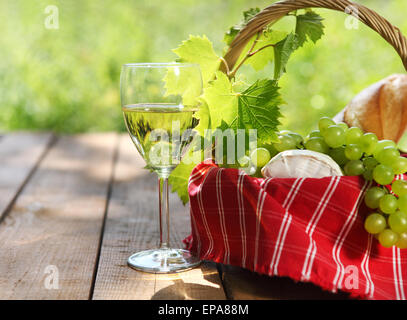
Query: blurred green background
x=67, y=79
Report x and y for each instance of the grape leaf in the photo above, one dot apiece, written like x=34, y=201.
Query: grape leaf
x=224, y=106
x=185, y=82
x=239, y=82
x=259, y=109
x=221, y=100
x=282, y=52
x=254, y=108
x=179, y=180
x=204, y=118
x=309, y=25
x=249, y=14
x=199, y=50
x=233, y=31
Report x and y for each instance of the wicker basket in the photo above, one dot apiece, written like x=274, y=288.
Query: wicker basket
x=264, y=224
x=280, y=9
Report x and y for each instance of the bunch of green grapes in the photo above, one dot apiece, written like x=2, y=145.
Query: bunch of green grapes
x=358, y=154
x=379, y=161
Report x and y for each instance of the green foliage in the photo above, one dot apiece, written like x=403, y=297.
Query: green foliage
x=221, y=100
x=282, y=52
x=257, y=106
x=199, y=50
x=259, y=109
x=67, y=80
x=187, y=83
x=179, y=179
x=309, y=25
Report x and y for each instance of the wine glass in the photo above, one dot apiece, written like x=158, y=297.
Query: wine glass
x=158, y=103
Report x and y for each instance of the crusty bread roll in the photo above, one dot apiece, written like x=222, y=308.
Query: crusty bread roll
x=380, y=108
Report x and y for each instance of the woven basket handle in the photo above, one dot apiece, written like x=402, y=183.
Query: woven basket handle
x=279, y=9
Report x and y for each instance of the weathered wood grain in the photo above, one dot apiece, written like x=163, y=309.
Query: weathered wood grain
x=241, y=284
x=19, y=155
x=132, y=225
x=53, y=229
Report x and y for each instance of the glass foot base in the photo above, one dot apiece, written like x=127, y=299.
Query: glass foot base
x=163, y=260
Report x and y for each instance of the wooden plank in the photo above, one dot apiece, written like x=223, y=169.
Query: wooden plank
x=53, y=229
x=242, y=284
x=19, y=155
x=132, y=225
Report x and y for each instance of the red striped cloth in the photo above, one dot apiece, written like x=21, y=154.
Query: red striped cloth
x=310, y=230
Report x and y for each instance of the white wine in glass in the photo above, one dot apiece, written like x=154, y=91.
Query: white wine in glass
x=158, y=104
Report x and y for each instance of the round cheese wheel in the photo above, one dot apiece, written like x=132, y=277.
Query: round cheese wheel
x=301, y=164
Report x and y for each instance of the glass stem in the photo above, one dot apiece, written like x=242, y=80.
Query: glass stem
x=164, y=212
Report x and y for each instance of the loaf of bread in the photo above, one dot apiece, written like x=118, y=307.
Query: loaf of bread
x=380, y=108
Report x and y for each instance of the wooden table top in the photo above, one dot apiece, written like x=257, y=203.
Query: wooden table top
x=74, y=208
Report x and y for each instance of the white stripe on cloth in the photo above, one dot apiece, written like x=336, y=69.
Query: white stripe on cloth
x=195, y=177
x=259, y=210
x=365, y=268
x=284, y=226
x=395, y=273
x=240, y=202
x=312, y=248
x=340, y=271
x=403, y=296
x=203, y=214
x=398, y=277
x=221, y=211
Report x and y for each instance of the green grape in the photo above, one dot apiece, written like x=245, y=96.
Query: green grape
x=403, y=203
x=244, y=161
x=370, y=163
x=399, y=187
x=400, y=165
x=315, y=133
x=260, y=157
x=270, y=148
x=286, y=143
x=334, y=136
x=373, y=196
x=388, y=203
x=368, y=143
x=388, y=238
x=354, y=168
x=353, y=152
x=368, y=174
x=343, y=125
x=353, y=135
x=324, y=123
x=317, y=144
x=398, y=222
x=388, y=155
x=338, y=154
x=383, y=174
x=375, y=223
x=381, y=145
x=297, y=138
x=402, y=241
